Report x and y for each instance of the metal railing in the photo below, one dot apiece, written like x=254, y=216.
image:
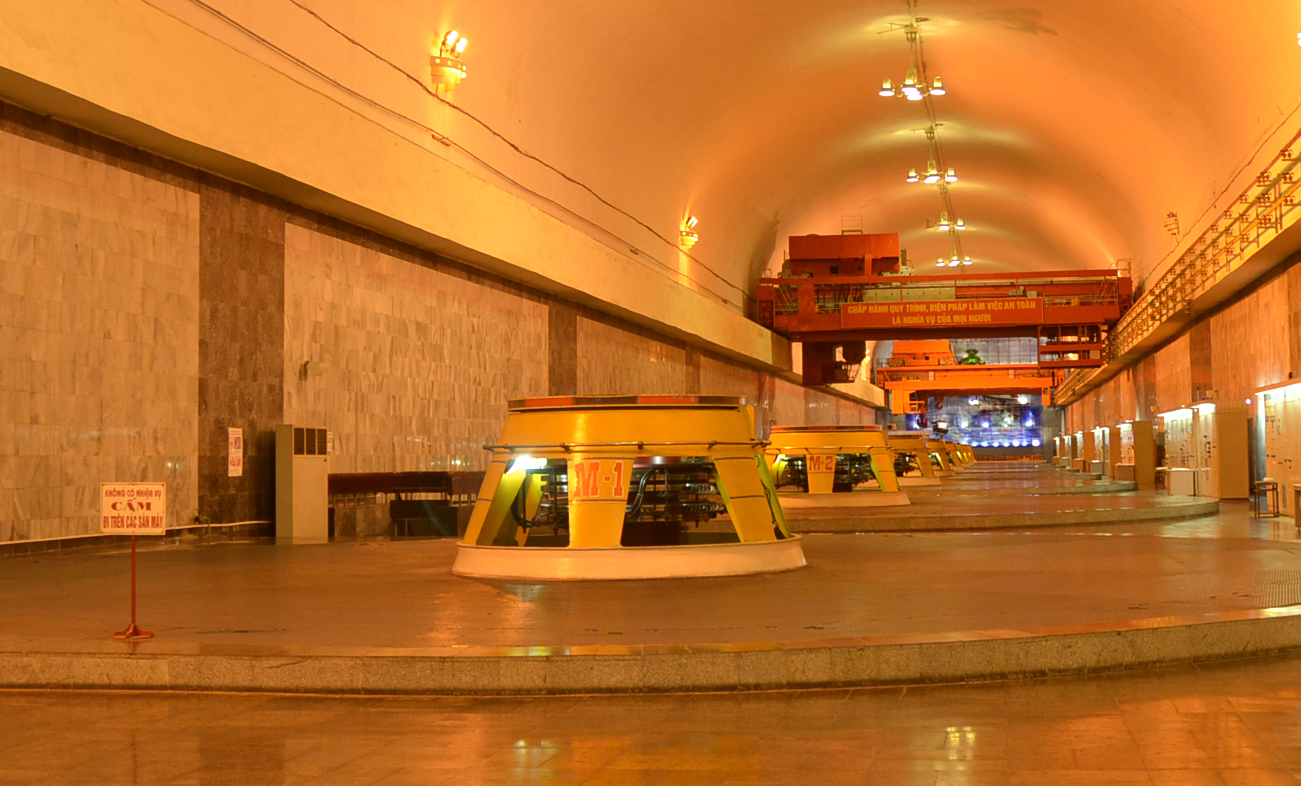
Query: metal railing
x=1258, y=215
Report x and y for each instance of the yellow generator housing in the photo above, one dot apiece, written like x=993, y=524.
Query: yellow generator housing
x=828, y=459
x=575, y=481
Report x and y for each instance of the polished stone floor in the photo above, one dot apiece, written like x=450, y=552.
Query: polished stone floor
x=990, y=496
x=1019, y=477
x=1227, y=724
x=387, y=595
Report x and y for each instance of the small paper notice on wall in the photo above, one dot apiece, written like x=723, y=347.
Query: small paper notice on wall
x=329, y=442
x=235, y=452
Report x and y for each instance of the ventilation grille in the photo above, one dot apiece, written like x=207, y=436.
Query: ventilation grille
x=309, y=441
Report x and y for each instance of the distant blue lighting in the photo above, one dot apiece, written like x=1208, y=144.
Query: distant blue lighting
x=1036, y=443
x=984, y=444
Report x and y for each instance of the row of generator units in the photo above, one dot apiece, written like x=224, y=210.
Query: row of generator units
x=661, y=463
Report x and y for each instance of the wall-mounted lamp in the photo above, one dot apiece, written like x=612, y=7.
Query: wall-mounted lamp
x=688, y=236
x=446, y=68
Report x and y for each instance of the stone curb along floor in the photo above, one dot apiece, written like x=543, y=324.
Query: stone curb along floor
x=939, y=658
x=809, y=520
x=975, y=490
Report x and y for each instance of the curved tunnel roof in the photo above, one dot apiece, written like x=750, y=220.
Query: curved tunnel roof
x=1074, y=127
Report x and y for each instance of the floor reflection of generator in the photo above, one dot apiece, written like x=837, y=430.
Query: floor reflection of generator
x=618, y=486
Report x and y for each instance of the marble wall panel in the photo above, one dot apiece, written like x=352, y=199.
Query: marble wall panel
x=1234, y=353
x=409, y=366
x=787, y=407
x=562, y=350
x=1124, y=397
x=721, y=378
x=613, y=360
x=1172, y=375
x=99, y=282
x=820, y=409
x=241, y=349
x=1251, y=345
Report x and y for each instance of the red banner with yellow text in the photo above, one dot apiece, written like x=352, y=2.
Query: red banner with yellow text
x=943, y=313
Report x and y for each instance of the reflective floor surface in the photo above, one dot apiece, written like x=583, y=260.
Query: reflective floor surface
x=1229, y=724
x=373, y=597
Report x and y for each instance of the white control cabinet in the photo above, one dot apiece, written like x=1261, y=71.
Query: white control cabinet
x=1211, y=441
x=302, y=485
x=1281, y=409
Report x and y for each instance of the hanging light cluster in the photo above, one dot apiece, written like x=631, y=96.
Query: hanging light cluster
x=946, y=225
x=912, y=89
x=917, y=87
x=932, y=175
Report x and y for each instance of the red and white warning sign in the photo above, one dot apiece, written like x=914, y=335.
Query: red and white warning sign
x=133, y=508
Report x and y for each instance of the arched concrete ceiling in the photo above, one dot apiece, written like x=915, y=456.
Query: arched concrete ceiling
x=1074, y=126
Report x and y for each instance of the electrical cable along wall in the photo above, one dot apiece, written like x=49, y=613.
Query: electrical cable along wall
x=722, y=289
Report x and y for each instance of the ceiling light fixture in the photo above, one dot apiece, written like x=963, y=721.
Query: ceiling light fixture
x=917, y=85
x=912, y=88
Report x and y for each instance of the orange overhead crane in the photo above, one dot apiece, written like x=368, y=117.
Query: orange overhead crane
x=919, y=370
x=838, y=291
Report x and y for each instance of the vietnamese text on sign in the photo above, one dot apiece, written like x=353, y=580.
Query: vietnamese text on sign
x=942, y=313
x=133, y=508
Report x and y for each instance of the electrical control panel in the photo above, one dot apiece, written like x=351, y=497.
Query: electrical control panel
x=1211, y=440
x=1281, y=409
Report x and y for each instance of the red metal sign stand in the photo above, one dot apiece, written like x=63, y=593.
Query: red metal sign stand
x=134, y=631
